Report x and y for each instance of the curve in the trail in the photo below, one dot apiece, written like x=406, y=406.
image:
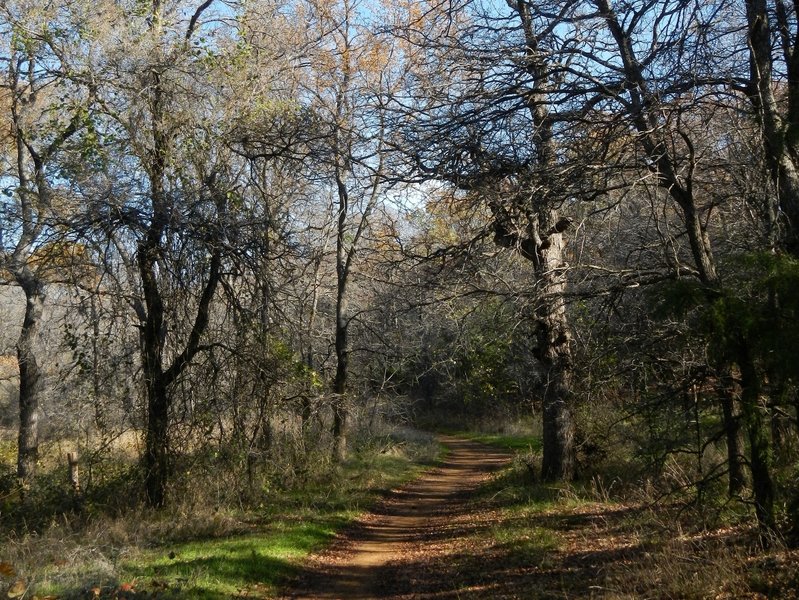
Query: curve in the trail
x=358, y=563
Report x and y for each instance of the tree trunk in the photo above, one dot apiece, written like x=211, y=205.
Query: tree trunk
x=152, y=327
x=734, y=436
x=343, y=261
x=780, y=137
x=340, y=408
x=545, y=246
x=156, y=457
x=759, y=447
x=156, y=470
x=697, y=235
x=30, y=380
x=554, y=347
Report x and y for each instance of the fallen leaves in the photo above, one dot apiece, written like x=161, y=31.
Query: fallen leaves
x=17, y=589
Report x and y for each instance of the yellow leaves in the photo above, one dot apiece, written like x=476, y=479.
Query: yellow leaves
x=58, y=255
x=375, y=57
x=17, y=589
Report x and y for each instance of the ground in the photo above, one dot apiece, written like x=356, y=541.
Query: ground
x=455, y=534
x=391, y=552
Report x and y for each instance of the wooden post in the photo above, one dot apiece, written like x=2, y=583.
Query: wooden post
x=74, y=475
x=252, y=458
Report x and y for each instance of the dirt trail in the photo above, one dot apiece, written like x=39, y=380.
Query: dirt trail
x=381, y=554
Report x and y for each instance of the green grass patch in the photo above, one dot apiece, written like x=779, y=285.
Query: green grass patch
x=224, y=553
x=215, y=569
x=518, y=443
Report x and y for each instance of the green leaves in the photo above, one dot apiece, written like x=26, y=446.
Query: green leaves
x=756, y=306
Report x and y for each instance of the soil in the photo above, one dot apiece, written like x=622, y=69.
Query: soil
x=440, y=538
x=379, y=556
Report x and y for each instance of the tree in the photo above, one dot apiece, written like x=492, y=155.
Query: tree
x=772, y=87
x=495, y=124
x=36, y=74
x=349, y=69
x=168, y=180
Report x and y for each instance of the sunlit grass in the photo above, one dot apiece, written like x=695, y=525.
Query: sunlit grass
x=530, y=443
x=254, y=564
x=293, y=525
x=214, y=555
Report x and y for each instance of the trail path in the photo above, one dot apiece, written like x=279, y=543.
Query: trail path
x=384, y=555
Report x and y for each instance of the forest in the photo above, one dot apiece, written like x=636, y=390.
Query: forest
x=251, y=249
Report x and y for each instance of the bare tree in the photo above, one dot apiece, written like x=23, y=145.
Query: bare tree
x=349, y=69
x=35, y=71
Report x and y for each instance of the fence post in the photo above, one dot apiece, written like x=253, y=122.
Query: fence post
x=74, y=474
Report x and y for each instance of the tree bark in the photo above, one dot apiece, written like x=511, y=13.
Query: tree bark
x=545, y=247
x=152, y=317
x=340, y=408
x=554, y=343
x=759, y=447
x=343, y=261
x=30, y=378
x=157, y=443
x=152, y=345
x=780, y=128
x=734, y=437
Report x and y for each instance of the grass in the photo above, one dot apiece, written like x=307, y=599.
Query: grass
x=517, y=442
x=222, y=568
x=533, y=540
x=520, y=443
x=589, y=540
x=211, y=553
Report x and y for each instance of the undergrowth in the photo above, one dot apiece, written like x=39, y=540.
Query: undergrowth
x=200, y=547
x=607, y=537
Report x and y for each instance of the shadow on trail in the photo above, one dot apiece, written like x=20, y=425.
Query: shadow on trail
x=373, y=558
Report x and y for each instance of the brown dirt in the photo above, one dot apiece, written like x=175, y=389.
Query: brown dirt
x=438, y=539
x=379, y=556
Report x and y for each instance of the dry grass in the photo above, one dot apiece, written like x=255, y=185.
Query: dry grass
x=113, y=538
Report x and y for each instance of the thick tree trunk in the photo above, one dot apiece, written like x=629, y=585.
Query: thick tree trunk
x=759, y=447
x=545, y=247
x=554, y=347
x=156, y=470
x=156, y=457
x=30, y=380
